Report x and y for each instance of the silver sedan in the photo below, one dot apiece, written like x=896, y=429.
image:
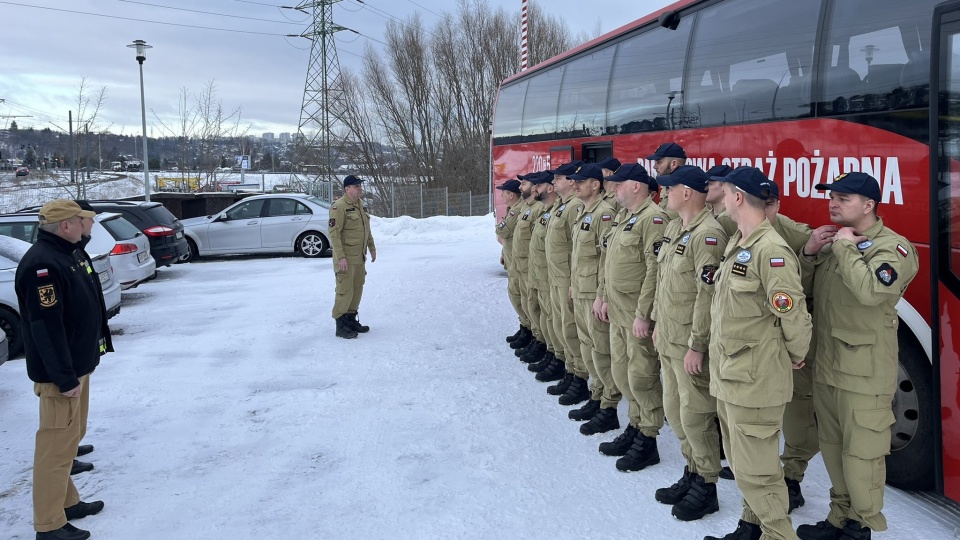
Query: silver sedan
x=275, y=223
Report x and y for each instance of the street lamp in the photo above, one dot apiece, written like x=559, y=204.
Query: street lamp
x=141, y=47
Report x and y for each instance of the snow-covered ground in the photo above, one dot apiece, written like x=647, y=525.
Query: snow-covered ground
x=230, y=410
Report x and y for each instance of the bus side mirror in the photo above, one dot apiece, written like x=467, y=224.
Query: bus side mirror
x=669, y=20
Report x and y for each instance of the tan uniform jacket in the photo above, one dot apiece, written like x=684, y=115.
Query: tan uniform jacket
x=537, y=270
x=349, y=229
x=528, y=215
x=727, y=222
x=687, y=263
x=856, y=330
x=589, y=228
x=630, y=271
x=506, y=227
x=560, y=239
x=760, y=322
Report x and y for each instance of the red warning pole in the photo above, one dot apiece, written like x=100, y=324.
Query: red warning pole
x=523, y=36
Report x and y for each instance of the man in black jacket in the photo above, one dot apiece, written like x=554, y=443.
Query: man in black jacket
x=64, y=329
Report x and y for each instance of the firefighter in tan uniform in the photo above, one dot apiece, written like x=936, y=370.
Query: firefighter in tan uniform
x=688, y=259
x=863, y=269
x=627, y=290
x=550, y=366
x=759, y=333
x=591, y=226
x=350, y=238
x=609, y=166
x=510, y=194
x=527, y=216
x=667, y=158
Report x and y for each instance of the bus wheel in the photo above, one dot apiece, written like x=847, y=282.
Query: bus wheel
x=910, y=464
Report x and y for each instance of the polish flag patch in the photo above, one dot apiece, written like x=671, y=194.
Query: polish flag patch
x=776, y=262
x=658, y=220
x=606, y=217
x=710, y=241
x=902, y=250
x=43, y=273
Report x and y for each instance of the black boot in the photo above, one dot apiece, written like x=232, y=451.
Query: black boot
x=80, y=467
x=577, y=392
x=554, y=372
x=561, y=387
x=675, y=493
x=67, y=532
x=642, y=453
x=529, y=347
x=84, y=449
x=822, y=530
x=534, y=354
x=83, y=509
x=355, y=325
x=726, y=473
x=344, y=331
x=511, y=339
x=589, y=409
x=620, y=445
x=523, y=340
x=852, y=530
x=700, y=500
x=543, y=363
x=794, y=494
x=602, y=422
x=745, y=531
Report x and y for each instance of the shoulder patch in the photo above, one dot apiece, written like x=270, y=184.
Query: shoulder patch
x=709, y=274
x=658, y=220
x=512, y=213
x=902, y=250
x=777, y=262
x=886, y=274
x=710, y=241
x=332, y=222
x=48, y=295
x=656, y=247
x=606, y=217
x=782, y=302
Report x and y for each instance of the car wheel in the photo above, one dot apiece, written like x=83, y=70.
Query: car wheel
x=10, y=324
x=909, y=464
x=192, y=253
x=312, y=244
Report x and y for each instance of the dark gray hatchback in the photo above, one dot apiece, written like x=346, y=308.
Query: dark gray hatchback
x=167, y=243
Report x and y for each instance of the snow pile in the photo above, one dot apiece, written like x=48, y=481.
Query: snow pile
x=407, y=230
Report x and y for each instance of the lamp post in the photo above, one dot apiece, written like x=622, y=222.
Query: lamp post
x=141, y=47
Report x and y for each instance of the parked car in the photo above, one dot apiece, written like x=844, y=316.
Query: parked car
x=165, y=231
x=130, y=258
x=22, y=171
x=24, y=226
x=273, y=223
x=11, y=251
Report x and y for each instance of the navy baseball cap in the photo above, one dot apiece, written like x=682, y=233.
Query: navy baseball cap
x=611, y=163
x=510, y=185
x=632, y=171
x=567, y=168
x=527, y=177
x=670, y=149
x=351, y=180
x=543, y=177
x=587, y=172
x=717, y=172
x=751, y=180
x=855, y=182
x=689, y=175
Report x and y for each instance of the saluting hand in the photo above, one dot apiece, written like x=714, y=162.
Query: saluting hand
x=851, y=234
x=342, y=264
x=820, y=237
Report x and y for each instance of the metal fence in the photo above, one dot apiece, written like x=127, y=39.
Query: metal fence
x=414, y=201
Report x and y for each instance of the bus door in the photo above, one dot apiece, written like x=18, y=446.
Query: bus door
x=945, y=229
x=597, y=152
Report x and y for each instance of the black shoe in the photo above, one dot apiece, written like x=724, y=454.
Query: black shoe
x=578, y=392
x=67, y=532
x=83, y=509
x=543, y=364
x=561, y=387
x=794, y=494
x=534, y=354
x=822, y=530
x=620, y=445
x=525, y=349
x=355, y=325
x=525, y=338
x=642, y=453
x=675, y=493
x=745, y=531
x=344, y=331
x=700, y=500
x=605, y=420
x=554, y=372
x=511, y=339
x=852, y=530
x=727, y=474
x=586, y=412
x=84, y=449
x=80, y=466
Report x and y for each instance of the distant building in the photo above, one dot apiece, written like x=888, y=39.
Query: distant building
x=268, y=136
x=284, y=137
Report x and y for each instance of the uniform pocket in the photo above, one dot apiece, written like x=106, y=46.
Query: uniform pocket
x=853, y=351
x=56, y=412
x=744, y=304
x=758, y=454
x=738, y=360
x=872, y=437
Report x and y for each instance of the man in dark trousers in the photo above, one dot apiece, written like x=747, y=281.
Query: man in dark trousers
x=64, y=327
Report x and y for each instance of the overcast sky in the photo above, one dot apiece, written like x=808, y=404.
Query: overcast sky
x=48, y=46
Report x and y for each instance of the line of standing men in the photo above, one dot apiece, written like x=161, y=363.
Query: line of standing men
x=698, y=310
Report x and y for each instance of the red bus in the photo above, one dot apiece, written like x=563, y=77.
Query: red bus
x=805, y=91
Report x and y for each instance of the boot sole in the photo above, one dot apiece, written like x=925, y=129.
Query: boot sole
x=642, y=466
x=694, y=517
x=573, y=401
x=614, y=453
x=665, y=500
x=591, y=432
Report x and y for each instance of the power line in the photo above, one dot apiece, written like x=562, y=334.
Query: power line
x=426, y=8
x=208, y=12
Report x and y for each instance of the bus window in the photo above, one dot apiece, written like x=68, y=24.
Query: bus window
x=583, y=95
x=645, y=87
x=540, y=105
x=757, y=71
x=873, y=65
x=506, y=123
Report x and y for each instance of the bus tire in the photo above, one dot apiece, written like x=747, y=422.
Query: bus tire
x=910, y=464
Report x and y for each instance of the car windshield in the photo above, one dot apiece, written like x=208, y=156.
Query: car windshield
x=161, y=214
x=120, y=228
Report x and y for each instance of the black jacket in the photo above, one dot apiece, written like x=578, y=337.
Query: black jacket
x=61, y=312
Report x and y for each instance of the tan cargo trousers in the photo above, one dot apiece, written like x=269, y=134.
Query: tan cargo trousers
x=349, y=286
x=594, y=336
x=636, y=370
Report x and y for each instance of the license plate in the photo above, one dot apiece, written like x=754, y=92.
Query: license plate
x=179, y=235
x=142, y=256
x=104, y=276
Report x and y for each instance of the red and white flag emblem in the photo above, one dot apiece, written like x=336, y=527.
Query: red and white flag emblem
x=776, y=262
x=658, y=220
x=902, y=250
x=710, y=241
x=42, y=273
